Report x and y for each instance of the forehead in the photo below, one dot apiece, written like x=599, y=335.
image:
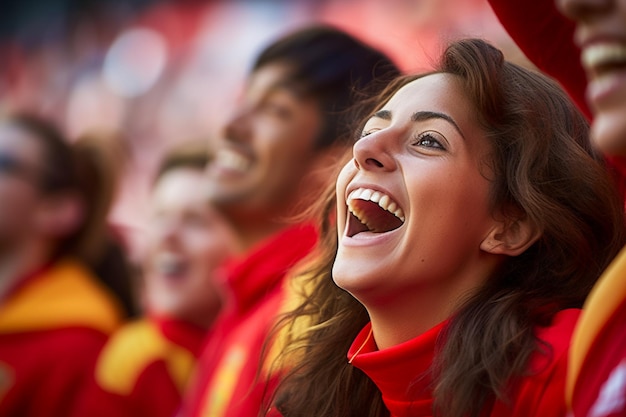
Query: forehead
x=435, y=92
x=269, y=77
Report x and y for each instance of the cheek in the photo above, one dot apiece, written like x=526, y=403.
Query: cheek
x=343, y=179
x=206, y=248
x=451, y=201
x=608, y=132
x=346, y=175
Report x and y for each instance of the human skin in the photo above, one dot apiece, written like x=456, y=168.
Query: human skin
x=601, y=35
x=425, y=152
x=267, y=148
x=187, y=240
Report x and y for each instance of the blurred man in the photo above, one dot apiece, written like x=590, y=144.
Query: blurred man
x=145, y=367
x=290, y=125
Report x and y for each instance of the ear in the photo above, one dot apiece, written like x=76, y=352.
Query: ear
x=60, y=215
x=511, y=237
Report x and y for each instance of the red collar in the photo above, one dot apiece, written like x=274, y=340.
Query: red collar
x=401, y=372
x=182, y=333
x=263, y=268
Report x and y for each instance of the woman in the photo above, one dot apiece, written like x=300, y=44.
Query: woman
x=472, y=221
x=55, y=314
x=187, y=240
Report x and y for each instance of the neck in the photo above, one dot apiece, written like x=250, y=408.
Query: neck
x=408, y=313
x=206, y=319
x=399, y=323
x=250, y=235
x=19, y=261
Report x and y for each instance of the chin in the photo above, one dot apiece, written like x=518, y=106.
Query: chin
x=352, y=280
x=608, y=133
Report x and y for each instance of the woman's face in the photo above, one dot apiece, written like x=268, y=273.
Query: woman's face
x=418, y=184
x=188, y=240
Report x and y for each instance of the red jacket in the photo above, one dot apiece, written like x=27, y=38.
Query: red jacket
x=227, y=382
x=597, y=374
x=51, y=330
x=143, y=370
x=396, y=372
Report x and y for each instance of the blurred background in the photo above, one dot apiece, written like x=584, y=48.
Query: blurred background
x=144, y=74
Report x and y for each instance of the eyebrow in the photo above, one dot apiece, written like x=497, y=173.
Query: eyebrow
x=421, y=116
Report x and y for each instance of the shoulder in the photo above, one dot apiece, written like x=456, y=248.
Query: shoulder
x=554, y=341
x=541, y=391
x=134, y=348
x=63, y=296
x=559, y=332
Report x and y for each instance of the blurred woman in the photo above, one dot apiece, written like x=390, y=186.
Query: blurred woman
x=55, y=314
x=144, y=368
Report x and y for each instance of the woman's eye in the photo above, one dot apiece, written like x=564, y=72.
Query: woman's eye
x=367, y=132
x=278, y=110
x=428, y=140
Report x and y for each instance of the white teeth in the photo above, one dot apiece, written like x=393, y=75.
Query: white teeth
x=232, y=160
x=603, y=54
x=383, y=200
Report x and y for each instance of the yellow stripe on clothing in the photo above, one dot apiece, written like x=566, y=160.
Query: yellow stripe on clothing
x=603, y=301
x=68, y=295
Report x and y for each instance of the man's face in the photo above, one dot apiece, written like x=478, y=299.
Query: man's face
x=268, y=146
x=601, y=35
x=20, y=157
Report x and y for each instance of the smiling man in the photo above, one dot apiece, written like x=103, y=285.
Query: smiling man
x=291, y=123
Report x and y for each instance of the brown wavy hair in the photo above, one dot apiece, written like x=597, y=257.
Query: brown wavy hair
x=544, y=168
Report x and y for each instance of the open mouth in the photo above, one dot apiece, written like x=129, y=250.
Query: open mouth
x=604, y=57
x=372, y=211
x=171, y=266
x=232, y=160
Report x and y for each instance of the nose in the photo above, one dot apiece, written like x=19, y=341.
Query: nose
x=166, y=230
x=583, y=10
x=237, y=127
x=373, y=152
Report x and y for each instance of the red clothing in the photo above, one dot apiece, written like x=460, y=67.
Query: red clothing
x=143, y=370
x=396, y=372
x=597, y=374
x=51, y=330
x=227, y=383
x=547, y=38
x=597, y=379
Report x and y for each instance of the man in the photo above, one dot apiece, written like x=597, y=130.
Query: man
x=273, y=161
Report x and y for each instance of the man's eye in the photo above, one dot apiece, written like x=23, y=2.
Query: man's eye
x=278, y=110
